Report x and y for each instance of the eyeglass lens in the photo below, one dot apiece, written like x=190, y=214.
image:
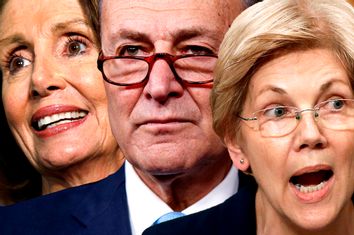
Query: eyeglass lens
x=331, y=114
x=133, y=70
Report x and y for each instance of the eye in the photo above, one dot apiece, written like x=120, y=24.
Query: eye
x=276, y=112
x=16, y=63
x=336, y=104
x=131, y=51
x=75, y=46
x=197, y=50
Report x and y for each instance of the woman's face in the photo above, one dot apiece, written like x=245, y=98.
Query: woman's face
x=52, y=92
x=306, y=177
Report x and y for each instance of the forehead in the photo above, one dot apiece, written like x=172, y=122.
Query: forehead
x=220, y=10
x=163, y=6
x=156, y=16
x=301, y=71
x=18, y=13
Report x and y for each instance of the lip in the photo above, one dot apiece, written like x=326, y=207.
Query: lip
x=310, y=169
x=163, y=121
x=316, y=196
x=164, y=126
x=53, y=109
x=56, y=109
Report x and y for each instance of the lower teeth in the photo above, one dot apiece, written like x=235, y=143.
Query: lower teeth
x=311, y=188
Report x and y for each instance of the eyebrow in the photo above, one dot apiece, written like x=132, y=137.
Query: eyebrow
x=66, y=24
x=13, y=39
x=20, y=39
x=279, y=90
x=194, y=32
x=326, y=86
x=333, y=83
x=178, y=36
x=273, y=89
x=132, y=35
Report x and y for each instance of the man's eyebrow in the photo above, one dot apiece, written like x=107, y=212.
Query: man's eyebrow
x=193, y=32
x=131, y=35
x=66, y=24
x=178, y=36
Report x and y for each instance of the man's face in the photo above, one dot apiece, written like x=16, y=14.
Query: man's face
x=163, y=126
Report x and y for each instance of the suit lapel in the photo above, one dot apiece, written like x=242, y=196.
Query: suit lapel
x=100, y=198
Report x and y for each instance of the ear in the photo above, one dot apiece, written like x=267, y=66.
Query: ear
x=237, y=155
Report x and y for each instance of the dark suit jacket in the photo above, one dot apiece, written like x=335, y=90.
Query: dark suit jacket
x=235, y=216
x=96, y=208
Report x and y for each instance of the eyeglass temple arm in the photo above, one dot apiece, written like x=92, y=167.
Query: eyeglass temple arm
x=247, y=119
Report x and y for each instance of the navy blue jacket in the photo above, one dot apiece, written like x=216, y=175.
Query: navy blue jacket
x=96, y=208
x=235, y=216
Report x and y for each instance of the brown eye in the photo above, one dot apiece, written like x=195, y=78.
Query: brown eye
x=130, y=51
x=16, y=63
x=197, y=50
x=76, y=48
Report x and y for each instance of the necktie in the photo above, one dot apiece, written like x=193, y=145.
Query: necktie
x=168, y=216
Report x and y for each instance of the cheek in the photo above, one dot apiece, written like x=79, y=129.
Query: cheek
x=201, y=97
x=89, y=82
x=267, y=156
x=14, y=102
x=124, y=100
x=344, y=146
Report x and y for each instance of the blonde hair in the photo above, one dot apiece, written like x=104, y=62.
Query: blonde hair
x=266, y=30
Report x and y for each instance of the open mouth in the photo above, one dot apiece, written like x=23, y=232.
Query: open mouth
x=311, y=181
x=57, y=119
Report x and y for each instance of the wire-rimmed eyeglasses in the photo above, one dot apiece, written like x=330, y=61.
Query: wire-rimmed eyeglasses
x=336, y=114
x=135, y=70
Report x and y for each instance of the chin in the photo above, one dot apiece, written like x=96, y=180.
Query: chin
x=316, y=220
x=164, y=168
x=61, y=161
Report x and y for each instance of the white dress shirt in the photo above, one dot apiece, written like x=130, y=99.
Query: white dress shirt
x=145, y=206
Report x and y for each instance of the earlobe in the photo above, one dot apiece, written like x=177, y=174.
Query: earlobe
x=238, y=157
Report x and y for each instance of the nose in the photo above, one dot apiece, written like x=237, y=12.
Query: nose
x=46, y=78
x=309, y=134
x=162, y=83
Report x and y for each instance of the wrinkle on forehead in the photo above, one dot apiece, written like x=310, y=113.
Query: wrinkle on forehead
x=164, y=5
x=226, y=9
x=219, y=12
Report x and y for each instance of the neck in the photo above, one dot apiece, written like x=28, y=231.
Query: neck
x=88, y=171
x=182, y=190
x=270, y=222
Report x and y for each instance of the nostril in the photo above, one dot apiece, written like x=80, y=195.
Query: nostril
x=39, y=91
x=34, y=93
x=319, y=145
x=303, y=146
x=52, y=88
x=316, y=146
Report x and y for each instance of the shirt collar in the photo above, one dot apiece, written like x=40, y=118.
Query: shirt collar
x=145, y=206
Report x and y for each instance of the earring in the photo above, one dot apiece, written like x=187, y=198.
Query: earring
x=242, y=161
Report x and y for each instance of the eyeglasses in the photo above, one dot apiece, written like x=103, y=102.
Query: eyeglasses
x=336, y=114
x=135, y=70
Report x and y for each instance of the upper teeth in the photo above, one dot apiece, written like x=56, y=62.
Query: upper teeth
x=310, y=188
x=59, y=116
